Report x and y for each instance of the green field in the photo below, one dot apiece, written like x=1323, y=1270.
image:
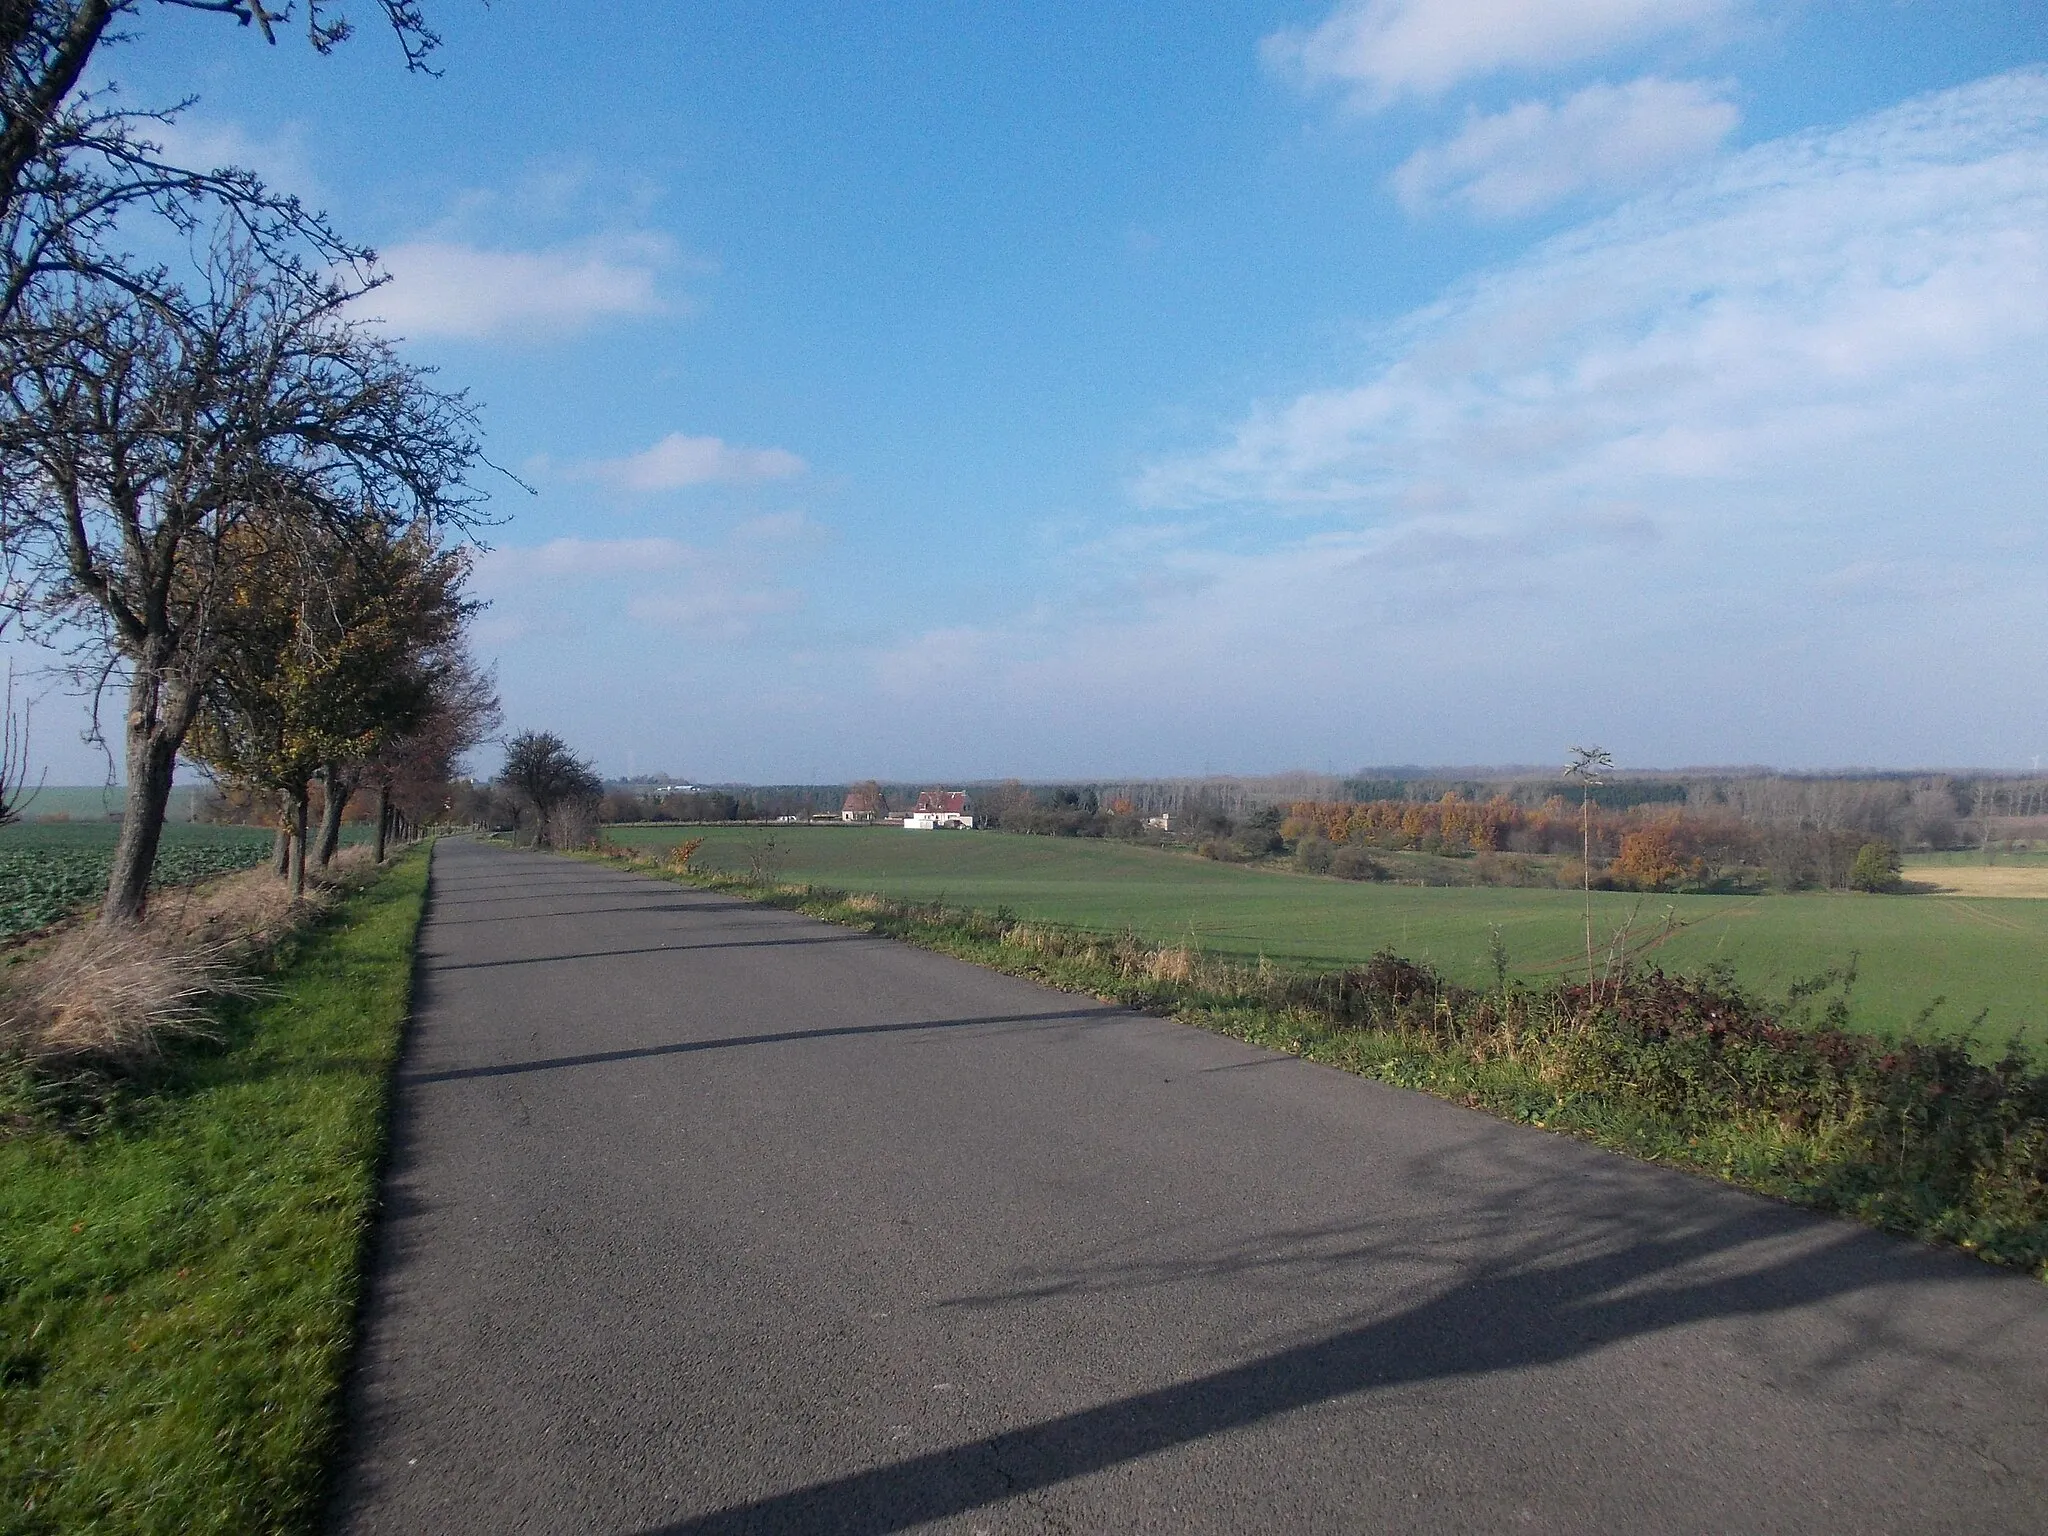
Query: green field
x=97, y=802
x=1979, y=954
x=51, y=868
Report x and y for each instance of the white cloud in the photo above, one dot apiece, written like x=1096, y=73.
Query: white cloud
x=723, y=613
x=449, y=288
x=1386, y=49
x=212, y=144
x=1735, y=473
x=1799, y=295
x=581, y=560
x=719, y=589
x=1606, y=138
x=679, y=461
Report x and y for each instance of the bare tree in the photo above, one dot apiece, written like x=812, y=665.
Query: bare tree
x=136, y=439
x=540, y=768
x=13, y=752
x=75, y=165
x=45, y=46
x=1983, y=806
x=1588, y=767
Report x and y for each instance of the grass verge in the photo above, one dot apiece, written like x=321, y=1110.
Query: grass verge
x=1980, y=957
x=178, y=1288
x=1916, y=1137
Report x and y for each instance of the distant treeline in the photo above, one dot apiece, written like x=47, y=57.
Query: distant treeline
x=1649, y=846
x=1670, y=831
x=762, y=802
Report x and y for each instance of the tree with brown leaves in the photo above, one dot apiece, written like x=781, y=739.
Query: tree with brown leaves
x=137, y=441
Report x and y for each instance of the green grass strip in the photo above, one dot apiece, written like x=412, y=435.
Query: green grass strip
x=178, y=1292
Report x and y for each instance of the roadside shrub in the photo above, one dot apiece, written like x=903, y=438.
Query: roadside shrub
x=571, y=824
x=1387, y=991
x=1915, y=1134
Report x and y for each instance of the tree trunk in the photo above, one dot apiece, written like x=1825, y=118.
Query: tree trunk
x=281, y=850
x=338, y=792
x=381, y=816
x=152, y=755
x=298, y=859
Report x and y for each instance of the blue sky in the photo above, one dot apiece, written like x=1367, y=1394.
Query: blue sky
x=959, y=391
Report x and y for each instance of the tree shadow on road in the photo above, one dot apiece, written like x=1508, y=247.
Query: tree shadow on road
x=735, y=1042
x=437, y=969
x=1541, y=1272
x=684, y=905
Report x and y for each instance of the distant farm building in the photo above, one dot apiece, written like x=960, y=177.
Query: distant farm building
x=1160, y=823
x=939, y=810
x=862, y=807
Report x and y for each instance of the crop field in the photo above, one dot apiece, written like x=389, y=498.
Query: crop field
x=49, y=869
x=1985, y=954
x=96, y=802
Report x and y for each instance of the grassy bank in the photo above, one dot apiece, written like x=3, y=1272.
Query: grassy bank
x=177, y=1289
x=1977, y=956
x=1919, y=1138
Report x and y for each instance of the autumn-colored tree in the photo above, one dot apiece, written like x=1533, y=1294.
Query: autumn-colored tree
x=403, y=599
x=1648, y=861
x=324, y=662
x=409, y=775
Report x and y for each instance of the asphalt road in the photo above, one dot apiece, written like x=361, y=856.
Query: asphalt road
x=708, y=1218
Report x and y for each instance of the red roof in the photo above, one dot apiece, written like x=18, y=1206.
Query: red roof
x=943, y=802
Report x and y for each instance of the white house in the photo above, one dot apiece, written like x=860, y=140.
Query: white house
x=939, y=810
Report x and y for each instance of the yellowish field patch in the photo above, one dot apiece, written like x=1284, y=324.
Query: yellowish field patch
x=2023, y=880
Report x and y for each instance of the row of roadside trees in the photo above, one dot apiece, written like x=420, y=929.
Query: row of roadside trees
x=225, y=502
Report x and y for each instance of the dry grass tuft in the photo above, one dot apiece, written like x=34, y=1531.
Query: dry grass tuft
x=865, y=903
x=1172, y=964
x=95, y=996
x=249, y=911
